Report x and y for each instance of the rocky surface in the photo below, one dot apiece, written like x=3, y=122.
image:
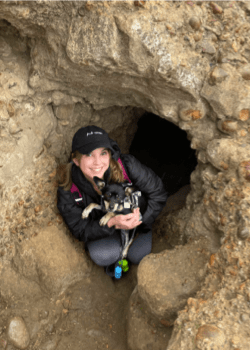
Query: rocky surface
x=64, y=65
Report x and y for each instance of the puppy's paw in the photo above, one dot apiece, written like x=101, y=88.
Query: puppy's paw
x=85, y=213
x=104, y=220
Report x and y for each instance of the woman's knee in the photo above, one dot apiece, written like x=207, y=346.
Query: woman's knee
x=141, y=247
x=104, y=252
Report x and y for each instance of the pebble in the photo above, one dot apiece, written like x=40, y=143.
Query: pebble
x=216, y=8
x=228, y=126
x=244, y=317
x=244, y=115
x=246, y=74
x=17, y=333
x=195, y=22
x=81, y=11
x=218, y=75
x=208, y=48
x=243, y=233
x=38, y=208
x=43, y=314
x=210, y=335
x=140, y=3
x=197, y=36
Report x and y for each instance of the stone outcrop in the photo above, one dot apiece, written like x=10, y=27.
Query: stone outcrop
x=168, y=279
x=50, y=260
x=68, y=64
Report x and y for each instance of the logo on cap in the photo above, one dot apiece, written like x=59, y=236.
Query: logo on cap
x=95, y=132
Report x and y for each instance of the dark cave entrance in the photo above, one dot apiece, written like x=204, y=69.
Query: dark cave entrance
x=164, y=147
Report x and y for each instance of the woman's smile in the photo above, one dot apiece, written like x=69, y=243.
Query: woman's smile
x=95, y=163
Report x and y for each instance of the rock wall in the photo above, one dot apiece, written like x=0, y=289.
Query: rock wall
x=68, y=64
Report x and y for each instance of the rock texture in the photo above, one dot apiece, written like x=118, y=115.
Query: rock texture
x=50, y=260
x=168, y=279
x=64, y=65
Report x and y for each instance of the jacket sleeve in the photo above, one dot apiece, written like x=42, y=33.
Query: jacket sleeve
x=150, y=184
x=83, y=229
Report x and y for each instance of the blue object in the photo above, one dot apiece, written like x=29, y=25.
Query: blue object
x=118, y=272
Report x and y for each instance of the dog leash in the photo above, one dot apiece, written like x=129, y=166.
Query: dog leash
x=122, y=264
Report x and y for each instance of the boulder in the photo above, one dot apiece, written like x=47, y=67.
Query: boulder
x=50, y=259
x=166, y=280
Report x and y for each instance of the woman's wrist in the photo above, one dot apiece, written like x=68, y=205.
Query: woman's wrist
x=111, y=222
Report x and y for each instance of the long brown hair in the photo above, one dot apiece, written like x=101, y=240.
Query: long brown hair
x=64, y=177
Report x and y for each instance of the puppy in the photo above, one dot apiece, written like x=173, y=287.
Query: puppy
x=117, y=199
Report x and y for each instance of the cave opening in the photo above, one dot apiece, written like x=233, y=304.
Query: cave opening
x=165, y=148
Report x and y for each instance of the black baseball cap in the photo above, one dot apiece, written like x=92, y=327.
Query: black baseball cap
x=89, y=138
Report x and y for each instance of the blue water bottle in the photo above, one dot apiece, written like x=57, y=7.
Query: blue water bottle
x=118, y=272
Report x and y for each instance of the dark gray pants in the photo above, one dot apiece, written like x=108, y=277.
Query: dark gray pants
x=106, y=251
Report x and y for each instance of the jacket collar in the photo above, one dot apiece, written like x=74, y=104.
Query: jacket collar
x=83, y=184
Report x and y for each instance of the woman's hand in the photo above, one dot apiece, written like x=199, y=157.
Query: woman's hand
x=126, y=222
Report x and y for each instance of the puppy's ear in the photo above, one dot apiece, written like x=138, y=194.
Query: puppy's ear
x=128, y=191
x=99, y=182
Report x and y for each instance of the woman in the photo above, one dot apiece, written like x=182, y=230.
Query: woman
x=95, y=154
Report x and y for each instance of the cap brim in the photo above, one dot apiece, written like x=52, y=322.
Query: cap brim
x=94, y=145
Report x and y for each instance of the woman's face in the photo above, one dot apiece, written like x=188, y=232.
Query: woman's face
x=94, y=163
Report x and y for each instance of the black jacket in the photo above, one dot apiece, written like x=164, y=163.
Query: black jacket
x=89, y=229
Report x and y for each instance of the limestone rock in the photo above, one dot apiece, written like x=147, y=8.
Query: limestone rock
x=224, y=97
x=17, y=333
x=51, y=260
x=223, y=152
x=166, y=280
